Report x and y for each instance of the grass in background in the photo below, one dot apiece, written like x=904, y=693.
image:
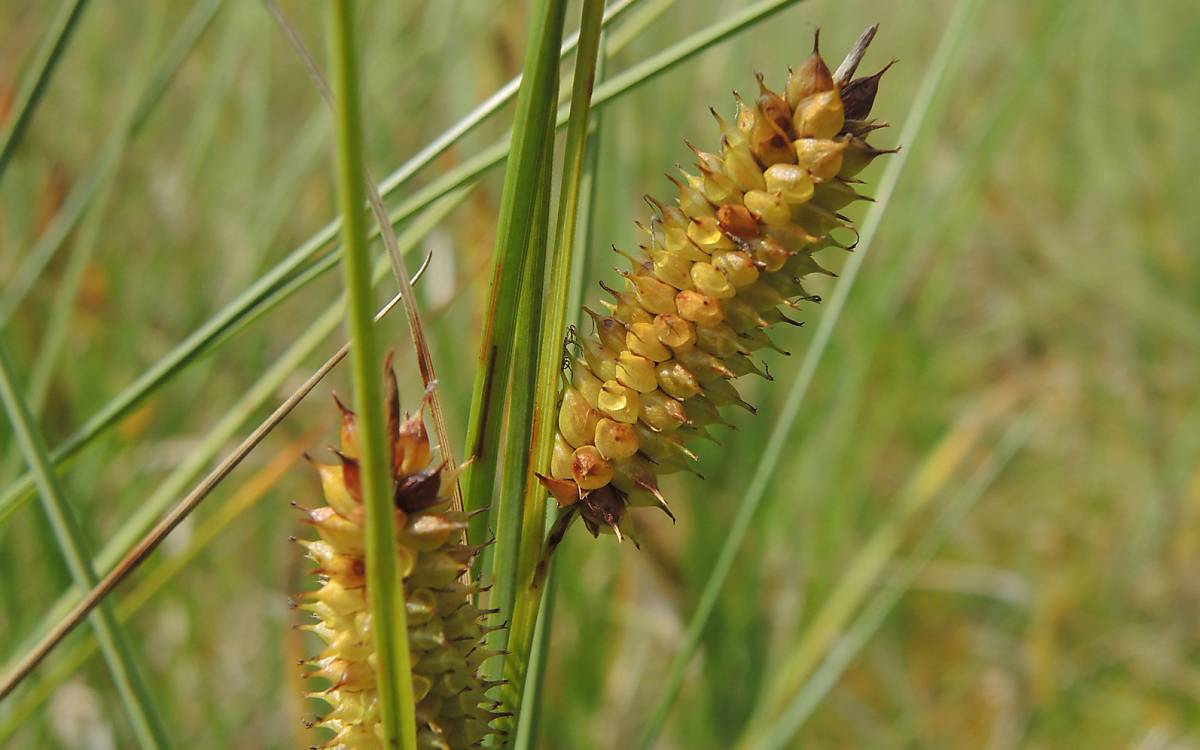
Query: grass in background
x=1041, y=244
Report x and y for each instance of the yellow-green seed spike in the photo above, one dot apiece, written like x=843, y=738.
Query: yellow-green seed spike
x=444, y=628
x=721, y=264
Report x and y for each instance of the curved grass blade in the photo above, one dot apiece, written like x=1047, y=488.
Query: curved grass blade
x=271, y=287
x=41, y=70
x=143, y=716
x=756, y=491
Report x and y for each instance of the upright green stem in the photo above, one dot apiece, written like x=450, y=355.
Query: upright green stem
x=518, y=201
x=385, y=586
x=150, y=731
x=550, y=358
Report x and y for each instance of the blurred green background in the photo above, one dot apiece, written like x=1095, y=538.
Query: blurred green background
x=988, y=511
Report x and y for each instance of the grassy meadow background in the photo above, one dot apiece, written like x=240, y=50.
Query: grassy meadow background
x=985, y=529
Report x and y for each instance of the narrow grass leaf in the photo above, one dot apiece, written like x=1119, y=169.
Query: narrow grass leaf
x=244, y=498
x=81, y=196
x=40, y=70
x=139, y=707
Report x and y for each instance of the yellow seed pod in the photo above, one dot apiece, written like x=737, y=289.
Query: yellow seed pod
x=737, y=221
x=705, y=232
x=822, y=158
x=762, y=296
x=610, y=330
x=836, y=195
x=656, y=297
x=619, y=402
x=676, y=380
x=747, y=116
x=643, y=340
x=601, y=360
x=576, y=419
x=615, y=439
x=768, y=254
x=703, y=412
x=704, y=367
x=741, y=167
x=770, y=143
x=717, y=187
x=674, y=331
x=793, y=238
x=770, y=208
x=691, y=201
x=710, y=282
x=819, y=116
x=699, y=308
x=336, y=529
x=627, y=309
x=719, y=341
x=723, y=393
x=810, y=78
x=740, y=315
x=790, y=182
x=773, y=107
x=662, y=413
x=666, y=449
x=336, y=493
x=858, y=155
x=636, y=371
x=737, y=266
x=672, y=269
x=590, y=470
x=585, y=382
x=560, y=459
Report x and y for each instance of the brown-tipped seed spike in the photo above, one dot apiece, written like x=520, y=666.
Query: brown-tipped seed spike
x=720, y=265
x=430, y=557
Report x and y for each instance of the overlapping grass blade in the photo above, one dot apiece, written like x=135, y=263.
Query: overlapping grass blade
x=399, y=270
x=550, y=332
x=531, y=694
x=767, y=464
x=135, y=538
x=111, y=151
x=139, y=707
x=247, y=495
x=502, y=396
x=40, y=71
